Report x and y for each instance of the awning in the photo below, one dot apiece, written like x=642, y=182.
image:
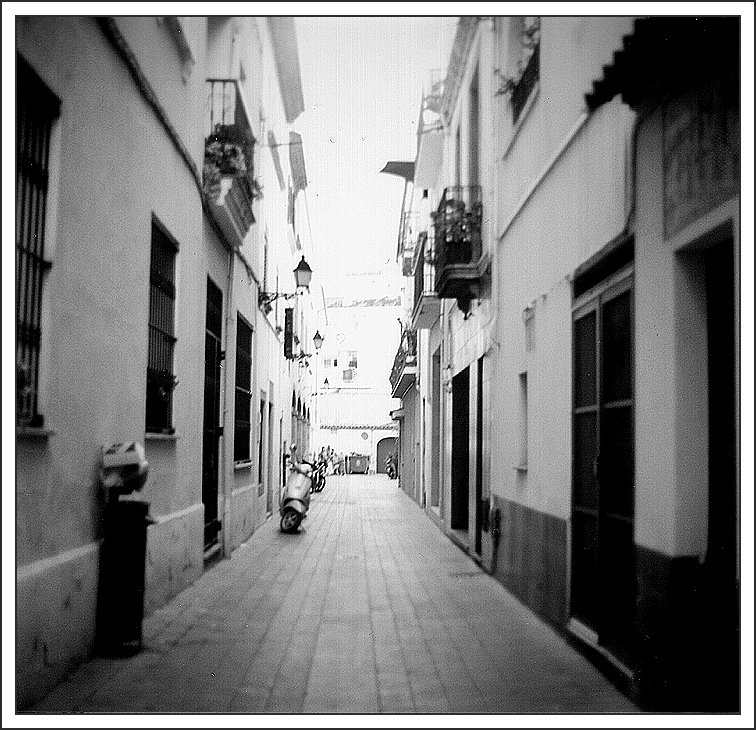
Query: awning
x=276, y=158
x=286, y=53
x=661, y=50
x=400, y=169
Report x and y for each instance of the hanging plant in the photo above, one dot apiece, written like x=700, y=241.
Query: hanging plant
x=161, y=383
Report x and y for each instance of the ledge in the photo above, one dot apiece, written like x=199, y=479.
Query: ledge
x=29, y=432
x=149, y=436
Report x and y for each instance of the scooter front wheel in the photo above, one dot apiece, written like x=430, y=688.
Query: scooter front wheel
x=290, y=520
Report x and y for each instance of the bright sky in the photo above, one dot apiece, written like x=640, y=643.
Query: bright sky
x=363, y=79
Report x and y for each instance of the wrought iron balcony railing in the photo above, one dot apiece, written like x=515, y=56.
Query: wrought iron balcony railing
x=405, y=360
x=229, y=141
x=228, y=172
x=457, y=226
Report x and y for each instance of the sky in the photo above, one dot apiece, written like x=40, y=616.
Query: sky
x=362, y=79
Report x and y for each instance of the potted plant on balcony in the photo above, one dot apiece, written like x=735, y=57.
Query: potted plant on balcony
x=228, y=159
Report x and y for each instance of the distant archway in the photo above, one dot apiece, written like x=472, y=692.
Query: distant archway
x=384, y=447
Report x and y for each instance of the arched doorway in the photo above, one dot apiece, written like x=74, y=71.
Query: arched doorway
x=384, y=447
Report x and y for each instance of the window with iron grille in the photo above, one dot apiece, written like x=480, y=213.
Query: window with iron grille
x=160, y=377
x=243, y=403
x=36, y=110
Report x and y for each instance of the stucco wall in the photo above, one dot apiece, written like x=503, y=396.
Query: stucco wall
x=577, y=208
x=672, y=465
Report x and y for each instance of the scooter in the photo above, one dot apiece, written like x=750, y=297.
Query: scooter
x=295, y=500
x=319, y=476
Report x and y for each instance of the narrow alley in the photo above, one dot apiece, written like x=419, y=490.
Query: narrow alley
x=368, y=609
x=485, y=272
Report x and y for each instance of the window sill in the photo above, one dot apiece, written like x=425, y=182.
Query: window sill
x=522, y=468
x=30, y=432
x=150, y=436
x=238, y=465
x=524, y=114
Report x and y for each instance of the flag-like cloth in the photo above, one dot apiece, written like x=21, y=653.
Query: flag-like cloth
x=296, y=159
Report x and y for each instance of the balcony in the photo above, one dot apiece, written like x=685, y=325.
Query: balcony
x=458, y=256
x=228, y=171
x=427, y=306
x=405, y=365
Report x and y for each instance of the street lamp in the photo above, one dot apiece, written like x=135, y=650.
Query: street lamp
x=317, y=340
x=302, y=278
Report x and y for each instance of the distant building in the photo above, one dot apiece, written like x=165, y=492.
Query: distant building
x=354, y=400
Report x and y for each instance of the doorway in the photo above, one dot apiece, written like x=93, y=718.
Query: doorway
x=720, y=575
x=385, y=447
x=435, y=405
x=460, y=466
x=211, y=430
x=480, y=508
x=603, y=586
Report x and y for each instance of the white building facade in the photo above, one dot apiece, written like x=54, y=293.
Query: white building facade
x=155, y=222
x=570, y=388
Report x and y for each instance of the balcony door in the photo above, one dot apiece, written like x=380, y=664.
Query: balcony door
x=603, y=566
x=211, y=430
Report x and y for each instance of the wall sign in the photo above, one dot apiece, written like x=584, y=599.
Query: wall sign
x=701, y=153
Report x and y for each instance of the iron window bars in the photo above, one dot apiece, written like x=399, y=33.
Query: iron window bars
x=37, y=109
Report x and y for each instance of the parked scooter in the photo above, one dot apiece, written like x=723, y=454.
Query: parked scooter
x=390, y=467
x=295, y=500
x=319, y=476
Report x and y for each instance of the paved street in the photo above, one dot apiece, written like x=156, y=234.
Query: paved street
x=369, y=609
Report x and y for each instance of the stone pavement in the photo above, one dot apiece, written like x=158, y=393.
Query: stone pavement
x=368, y=609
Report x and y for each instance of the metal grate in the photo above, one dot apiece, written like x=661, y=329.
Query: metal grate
x=37, y=108
x=161, y=342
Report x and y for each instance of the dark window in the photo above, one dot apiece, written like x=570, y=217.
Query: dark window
x=160, y=378
x=260, y=441
x=526, y=84
x=37, y=109
x=529, y=64
x=243, y=404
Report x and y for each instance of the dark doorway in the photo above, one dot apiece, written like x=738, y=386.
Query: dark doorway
x=385, y=447
x=436, y=456
x=460, y=456
x=603, y=563
x=211, y=430
x=720, y=589
x=479, y=507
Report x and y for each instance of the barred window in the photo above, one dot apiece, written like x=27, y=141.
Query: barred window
x=160, y=378
x=243, y=403
x=36, y=110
